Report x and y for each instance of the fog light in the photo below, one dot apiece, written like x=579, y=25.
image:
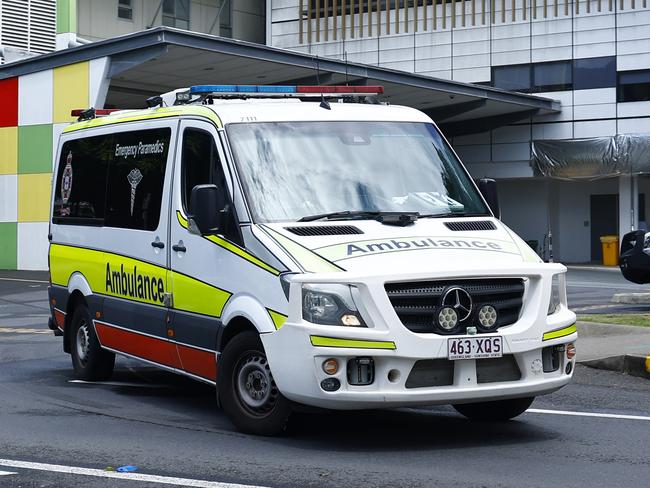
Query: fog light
x=330, y=384
x=569, y=368
x=487, y=316
x=570, y=351
x=447, y=318
x=330, y=366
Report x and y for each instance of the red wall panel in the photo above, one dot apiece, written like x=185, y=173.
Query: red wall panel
x=9, y=102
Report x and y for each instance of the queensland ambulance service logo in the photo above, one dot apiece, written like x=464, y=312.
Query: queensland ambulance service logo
x=66, y=180
x=134, y=177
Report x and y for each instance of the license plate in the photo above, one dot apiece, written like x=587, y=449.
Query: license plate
x=475, y=348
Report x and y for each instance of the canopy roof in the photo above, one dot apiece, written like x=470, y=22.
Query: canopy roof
x=162, y=59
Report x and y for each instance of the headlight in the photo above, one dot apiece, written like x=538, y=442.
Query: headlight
x=557, y=293
x=330, y=305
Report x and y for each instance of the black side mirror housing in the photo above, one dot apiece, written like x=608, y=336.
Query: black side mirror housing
x=488, y=188
x=207, y=206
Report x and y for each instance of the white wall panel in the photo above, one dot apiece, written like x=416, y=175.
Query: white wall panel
x=35, y=98
x=32, y=245
x=8, y=198
x=595, y=128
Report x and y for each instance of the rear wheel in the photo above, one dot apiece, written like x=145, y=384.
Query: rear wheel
x=497, y=410
x=89, y=360
x=247, y=391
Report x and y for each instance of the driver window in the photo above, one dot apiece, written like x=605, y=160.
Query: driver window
x=201, y=165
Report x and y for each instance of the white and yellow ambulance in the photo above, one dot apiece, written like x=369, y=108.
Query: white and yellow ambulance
x=298, y=245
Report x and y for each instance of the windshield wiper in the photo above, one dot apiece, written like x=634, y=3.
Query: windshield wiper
x=453, y=214
x=388, y=218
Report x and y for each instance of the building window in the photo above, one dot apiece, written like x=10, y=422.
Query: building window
x=225, y=18
x=633, y=86
x=176, y=13
x=513, y=78
x=125, y=9
x=594, y=73
x=550, y=77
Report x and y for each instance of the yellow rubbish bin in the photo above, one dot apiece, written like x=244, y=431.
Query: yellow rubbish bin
x=610, y=250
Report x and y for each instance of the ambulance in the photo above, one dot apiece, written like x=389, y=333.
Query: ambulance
x=298, y=245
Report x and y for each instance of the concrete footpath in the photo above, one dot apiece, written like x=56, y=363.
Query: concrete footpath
x=622, y=348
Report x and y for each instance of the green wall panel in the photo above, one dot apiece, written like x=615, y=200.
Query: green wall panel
x=66, y=16
x=35, y=149
x=8, y=245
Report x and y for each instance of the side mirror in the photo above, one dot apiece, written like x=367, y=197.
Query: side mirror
x=206, y=210
x=488, y=188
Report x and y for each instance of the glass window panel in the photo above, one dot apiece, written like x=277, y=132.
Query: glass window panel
x=552, y=76
x=514, y=78
x=80, y=189
x=594, y=73
x=633, y=86
x=136, y=179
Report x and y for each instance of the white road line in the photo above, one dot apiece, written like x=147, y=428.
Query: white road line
x=149, y=478
x=23, y=281
x=588, y=414
x=117, y=383
x=6, y=473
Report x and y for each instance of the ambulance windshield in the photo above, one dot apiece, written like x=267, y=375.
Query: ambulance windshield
x=295, y=169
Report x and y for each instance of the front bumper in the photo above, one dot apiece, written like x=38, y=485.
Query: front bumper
x=297, y=368
x=296, y=352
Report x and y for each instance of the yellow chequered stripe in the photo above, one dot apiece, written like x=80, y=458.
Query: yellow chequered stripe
x=149, y=114
x=221, y=242
x=571, y=329
x=323, y=341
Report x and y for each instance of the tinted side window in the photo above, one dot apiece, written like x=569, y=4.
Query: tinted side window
x=136, y=179
x=199, y=158
x=80, y=188
x=201, y=165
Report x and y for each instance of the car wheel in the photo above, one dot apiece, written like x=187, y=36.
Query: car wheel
x=247, y=391
x=89, y=360
x=495, y=411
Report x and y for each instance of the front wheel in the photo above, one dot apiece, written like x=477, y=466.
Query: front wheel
x=495, y=411
x=247, y=391
x=89, y=360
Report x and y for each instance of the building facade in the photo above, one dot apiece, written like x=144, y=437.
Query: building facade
x=592, y=55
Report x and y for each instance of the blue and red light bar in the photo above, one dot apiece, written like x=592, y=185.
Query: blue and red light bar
x=284, y=90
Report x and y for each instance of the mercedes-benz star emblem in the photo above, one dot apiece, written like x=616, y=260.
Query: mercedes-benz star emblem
x=458, y=299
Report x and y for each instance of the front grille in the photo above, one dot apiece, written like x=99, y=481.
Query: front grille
x=431, y=372
x=495, y=370
x=418, y=303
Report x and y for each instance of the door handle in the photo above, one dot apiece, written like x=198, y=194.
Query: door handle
x=180, y=247
x=158, y=244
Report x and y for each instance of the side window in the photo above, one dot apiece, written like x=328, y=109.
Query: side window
x=80, y=188
x=199, y=158
x=136, y=179
x=201, y=165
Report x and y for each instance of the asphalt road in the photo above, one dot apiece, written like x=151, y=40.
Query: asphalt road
x=590, y=291
x=169, y=426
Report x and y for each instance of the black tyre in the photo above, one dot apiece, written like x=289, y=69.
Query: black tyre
x=247, y=391
x=495, y=411
x=89, y=360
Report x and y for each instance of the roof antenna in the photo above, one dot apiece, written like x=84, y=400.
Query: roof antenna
x=323, y=103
